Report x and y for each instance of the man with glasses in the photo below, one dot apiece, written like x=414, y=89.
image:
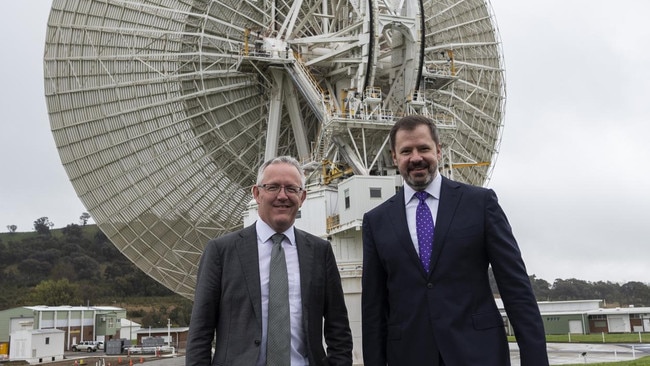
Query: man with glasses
x=270, y=291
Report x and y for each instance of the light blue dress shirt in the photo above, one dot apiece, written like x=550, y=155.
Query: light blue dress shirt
x=264, y=246
x=412, y=203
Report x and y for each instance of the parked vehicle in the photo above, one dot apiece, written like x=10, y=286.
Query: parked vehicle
x=88, y=346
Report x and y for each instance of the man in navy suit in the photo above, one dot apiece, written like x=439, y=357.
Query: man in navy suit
x=428, y=302
x=232, y=301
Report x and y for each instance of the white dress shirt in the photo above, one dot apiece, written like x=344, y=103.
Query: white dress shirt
x=412, y=203
x=264, y=246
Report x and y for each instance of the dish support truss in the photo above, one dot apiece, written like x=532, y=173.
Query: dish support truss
x=162, y=110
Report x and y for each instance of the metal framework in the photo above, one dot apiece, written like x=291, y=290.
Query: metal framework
x=162, y=110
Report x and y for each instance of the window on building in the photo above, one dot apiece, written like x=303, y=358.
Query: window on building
x=47, y=340
x=346, y=194
x=375, y=192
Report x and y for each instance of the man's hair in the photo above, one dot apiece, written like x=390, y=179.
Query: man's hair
x=409, y=123
x=281, y=160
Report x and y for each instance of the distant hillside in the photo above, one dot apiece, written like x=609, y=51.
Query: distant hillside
x=77, y=265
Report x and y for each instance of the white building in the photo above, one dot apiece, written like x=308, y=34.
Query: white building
x=37, y=346
x=129, y=329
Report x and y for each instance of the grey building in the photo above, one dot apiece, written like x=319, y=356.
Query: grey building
x=79, y=323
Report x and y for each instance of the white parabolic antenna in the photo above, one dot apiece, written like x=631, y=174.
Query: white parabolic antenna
x=162, y=110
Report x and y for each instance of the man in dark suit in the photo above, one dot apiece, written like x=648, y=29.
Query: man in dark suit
x=427, y=301
x=236, y=286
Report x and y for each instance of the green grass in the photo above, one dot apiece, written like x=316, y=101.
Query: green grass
x=596, y=338
x=17, y=236
x=629, y=338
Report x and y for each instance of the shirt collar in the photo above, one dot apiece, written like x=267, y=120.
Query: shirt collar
x=265, y=232
x=433, y=189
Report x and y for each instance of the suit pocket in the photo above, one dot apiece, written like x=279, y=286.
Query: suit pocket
x=487, y=320
x=465, y=232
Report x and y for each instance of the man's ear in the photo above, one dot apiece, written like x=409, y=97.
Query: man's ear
x=303, y=196
x=255, y=190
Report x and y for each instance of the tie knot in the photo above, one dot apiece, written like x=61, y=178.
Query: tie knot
x=277, y=238
x=422, y=196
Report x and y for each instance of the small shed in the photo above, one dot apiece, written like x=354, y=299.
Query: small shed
x=174, y=337
x=129, y=330
x=37, y=345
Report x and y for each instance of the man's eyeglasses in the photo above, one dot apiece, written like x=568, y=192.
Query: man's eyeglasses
x=274, y=188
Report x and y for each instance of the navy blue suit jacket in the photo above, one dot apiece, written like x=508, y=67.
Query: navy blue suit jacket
x=415, y=318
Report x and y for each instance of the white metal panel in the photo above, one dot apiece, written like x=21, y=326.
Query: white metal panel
x=618, y=324
x=160, y=112
x=575, y=327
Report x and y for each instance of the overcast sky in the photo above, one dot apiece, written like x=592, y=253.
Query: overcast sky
x=572, y=169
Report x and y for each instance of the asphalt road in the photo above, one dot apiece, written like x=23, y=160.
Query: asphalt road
x=571, y=353
x=559, y=354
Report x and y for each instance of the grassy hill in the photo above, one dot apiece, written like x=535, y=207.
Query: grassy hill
x=78, y=265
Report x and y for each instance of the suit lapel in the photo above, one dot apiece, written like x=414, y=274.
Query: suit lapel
x=450, y=194
x=306, y=260
x=397, y=215
x=249, y=259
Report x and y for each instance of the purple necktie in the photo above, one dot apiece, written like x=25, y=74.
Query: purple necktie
x=424, y=227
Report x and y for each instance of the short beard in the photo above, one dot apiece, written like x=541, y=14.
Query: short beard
x=419, y=185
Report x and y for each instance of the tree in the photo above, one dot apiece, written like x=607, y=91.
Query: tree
x=43, y=225
x=86, y=267
x=571, y=289
x=180, y=315
x=72, y=231
x=541, y=288
x=608, y=291
x=83, y=219
x=635, y=293
x=156, y=317
x=12, y=228
x=55, y=293
x=33, y=271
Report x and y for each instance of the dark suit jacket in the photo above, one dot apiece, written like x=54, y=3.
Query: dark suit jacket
x=228, y=301
x=415, y=318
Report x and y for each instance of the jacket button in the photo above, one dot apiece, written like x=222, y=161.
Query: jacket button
x=429, y=285
x=258, y=342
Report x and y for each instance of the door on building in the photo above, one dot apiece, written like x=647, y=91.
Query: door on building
x=616, y=324
x=575, y=327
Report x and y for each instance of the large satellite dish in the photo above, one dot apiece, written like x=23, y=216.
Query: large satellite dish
x=162, y=110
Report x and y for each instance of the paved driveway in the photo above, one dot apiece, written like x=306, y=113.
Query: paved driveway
x=559, y=354
x=567, y=353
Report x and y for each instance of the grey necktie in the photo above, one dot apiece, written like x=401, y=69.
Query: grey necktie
x=278, y=343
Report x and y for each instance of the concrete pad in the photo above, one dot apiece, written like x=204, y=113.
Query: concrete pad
x=568, y=353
